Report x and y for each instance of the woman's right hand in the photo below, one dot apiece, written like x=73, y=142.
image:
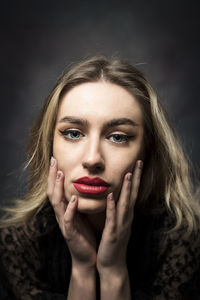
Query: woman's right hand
x=76, y=230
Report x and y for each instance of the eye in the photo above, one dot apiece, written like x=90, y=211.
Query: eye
x=120, y=138
x=71, y=134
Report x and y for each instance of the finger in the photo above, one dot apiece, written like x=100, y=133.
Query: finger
x=125, y=191
x=57, y=198
x=110, y=224
x=123, y=205
x=69, y=218
x=51, y=177
x=136, y=182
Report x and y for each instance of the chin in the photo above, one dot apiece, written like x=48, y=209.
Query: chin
x=91, y=206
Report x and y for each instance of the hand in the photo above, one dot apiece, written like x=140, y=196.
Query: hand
x=80, y=239
x=112, y=250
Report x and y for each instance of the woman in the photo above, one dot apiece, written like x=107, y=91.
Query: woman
x=110, y=211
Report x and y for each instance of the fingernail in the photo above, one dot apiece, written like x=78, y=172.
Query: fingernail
x=73, y=198
x=129, y=177
x=111, y=197
x=52, y=161
x=140, y=164
x=58, y=175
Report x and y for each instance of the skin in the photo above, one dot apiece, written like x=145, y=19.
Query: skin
x=94, y=151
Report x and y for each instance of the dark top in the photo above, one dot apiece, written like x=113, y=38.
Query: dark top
x=36, y=262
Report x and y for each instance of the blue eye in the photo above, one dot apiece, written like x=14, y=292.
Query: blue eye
x=120, y=138
x=71, y=134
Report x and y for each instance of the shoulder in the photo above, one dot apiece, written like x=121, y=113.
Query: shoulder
x=178, y=260
x=178, y=238
x=24, y=234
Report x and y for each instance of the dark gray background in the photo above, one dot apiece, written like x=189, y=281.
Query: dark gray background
x=40, y=38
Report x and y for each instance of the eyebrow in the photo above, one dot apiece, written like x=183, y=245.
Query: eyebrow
x=110, y=123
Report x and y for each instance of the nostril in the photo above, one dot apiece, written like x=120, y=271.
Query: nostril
x=93, y=167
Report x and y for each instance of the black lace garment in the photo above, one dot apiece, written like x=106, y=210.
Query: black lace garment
x=36, y=263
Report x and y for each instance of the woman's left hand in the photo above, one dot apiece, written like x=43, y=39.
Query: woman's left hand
x=111, y=256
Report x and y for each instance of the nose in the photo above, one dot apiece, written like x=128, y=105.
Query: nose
x=93, y=159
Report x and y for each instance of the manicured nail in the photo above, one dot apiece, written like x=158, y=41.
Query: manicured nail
x=73, y=198
x=52, y=161
x=58, y=175
x=129, y=177
x=140, y=164
x=111, y=197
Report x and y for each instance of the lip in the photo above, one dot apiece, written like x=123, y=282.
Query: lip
x=89, y=185
x=92, y=181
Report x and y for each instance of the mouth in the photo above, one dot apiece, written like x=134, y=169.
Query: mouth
x=88, y=185
x=90, y=189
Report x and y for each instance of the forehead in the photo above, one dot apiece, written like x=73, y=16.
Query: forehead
x=100, y=101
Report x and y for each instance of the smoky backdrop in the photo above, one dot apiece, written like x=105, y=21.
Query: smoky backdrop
x=39, y=39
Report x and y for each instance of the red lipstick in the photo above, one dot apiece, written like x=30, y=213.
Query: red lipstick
x=90, y=185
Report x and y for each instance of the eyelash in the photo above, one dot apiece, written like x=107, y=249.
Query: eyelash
x=124, y=136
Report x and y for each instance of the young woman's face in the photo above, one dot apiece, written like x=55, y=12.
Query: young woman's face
x=99, y=133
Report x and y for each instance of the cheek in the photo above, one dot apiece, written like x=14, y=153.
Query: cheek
x=119, y=166
x=64, y=155
x=124, y=162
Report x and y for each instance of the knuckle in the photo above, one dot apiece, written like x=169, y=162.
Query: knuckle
x=113, y=238
x=66, y=221
x=110, y=224
x=110, y=235
x=69, y=232
x=109, y=219
x=125, y=206
x=137, y=178
x=49, y=181
x=111, y=206
x=111, y=215
x=68, y=236
x=133, y=197
x=57, y=183
x=54, y=204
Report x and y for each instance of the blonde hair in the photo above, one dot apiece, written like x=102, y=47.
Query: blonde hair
x=166, y=179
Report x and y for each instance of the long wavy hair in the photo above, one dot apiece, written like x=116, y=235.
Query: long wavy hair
x=166, y=177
